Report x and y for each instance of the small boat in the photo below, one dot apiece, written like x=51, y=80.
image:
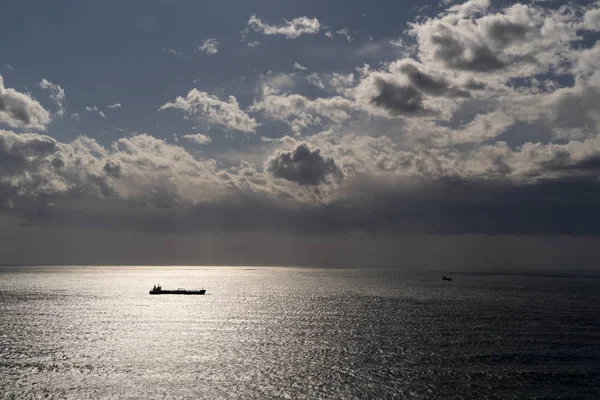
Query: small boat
x=444, y=278
x=157, y=289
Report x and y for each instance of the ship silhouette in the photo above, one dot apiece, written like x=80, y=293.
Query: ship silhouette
x=157, y=289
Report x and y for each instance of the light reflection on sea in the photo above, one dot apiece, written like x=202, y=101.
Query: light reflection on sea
x=95, y=332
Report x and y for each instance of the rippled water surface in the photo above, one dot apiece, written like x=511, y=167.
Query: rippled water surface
x=95, y=333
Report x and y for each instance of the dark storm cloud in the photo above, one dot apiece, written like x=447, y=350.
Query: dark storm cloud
x=57, y=161
x=112, y=168
x=397, y=99
x=478, y=57
x=458, y=207
x=431, y=85
x=418, y=207
x=302, y=165
x=504, y=32
x=472, y=84
x=588, y=166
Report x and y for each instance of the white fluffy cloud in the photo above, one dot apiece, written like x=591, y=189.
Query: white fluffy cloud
x=291, y=29
x=19, y=110
x=215, y=110
x=142, y=167
x=197, y=138
x=591, y=21
x=520, y=40
x=301, y=112
x=116, y=105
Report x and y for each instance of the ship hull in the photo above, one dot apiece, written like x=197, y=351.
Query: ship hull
x=186, y=292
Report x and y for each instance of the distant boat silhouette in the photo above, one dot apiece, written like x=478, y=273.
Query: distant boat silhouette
x=444, y=278
x=157, y=289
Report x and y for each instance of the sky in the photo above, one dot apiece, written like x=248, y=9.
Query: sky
x=286, y=132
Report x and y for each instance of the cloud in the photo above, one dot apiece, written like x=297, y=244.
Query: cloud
x=406, y=88
x=345, y=33
x=197, y=138
x=96, y=109
x=57, y=94
x=303, y=165
x=591, y=21
x=215, y=110
x=25, y=165
x=210, y=46
x=290, y=29
x=396, y=43
x=301, y=112
x=489, y=124
x=398, y=99
x=299, y=67
x=436, y=86
x=116, y=105
x=519, y=40
x=384, y=95
x=112, y=168
x=333, y=82
x=19, y=110
x=140, y=169
x=172, y=52
x=330, y=182
x=481, y=128
x=315, y=79
x=18, y=151
x=279, y=81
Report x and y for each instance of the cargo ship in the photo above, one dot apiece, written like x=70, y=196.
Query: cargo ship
x=157, y=289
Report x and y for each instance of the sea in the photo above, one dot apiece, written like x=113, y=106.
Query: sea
x=296, y=333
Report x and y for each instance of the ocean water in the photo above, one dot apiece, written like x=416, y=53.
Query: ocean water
x=295, y=333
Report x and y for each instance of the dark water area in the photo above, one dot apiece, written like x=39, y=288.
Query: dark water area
x=294, y=333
